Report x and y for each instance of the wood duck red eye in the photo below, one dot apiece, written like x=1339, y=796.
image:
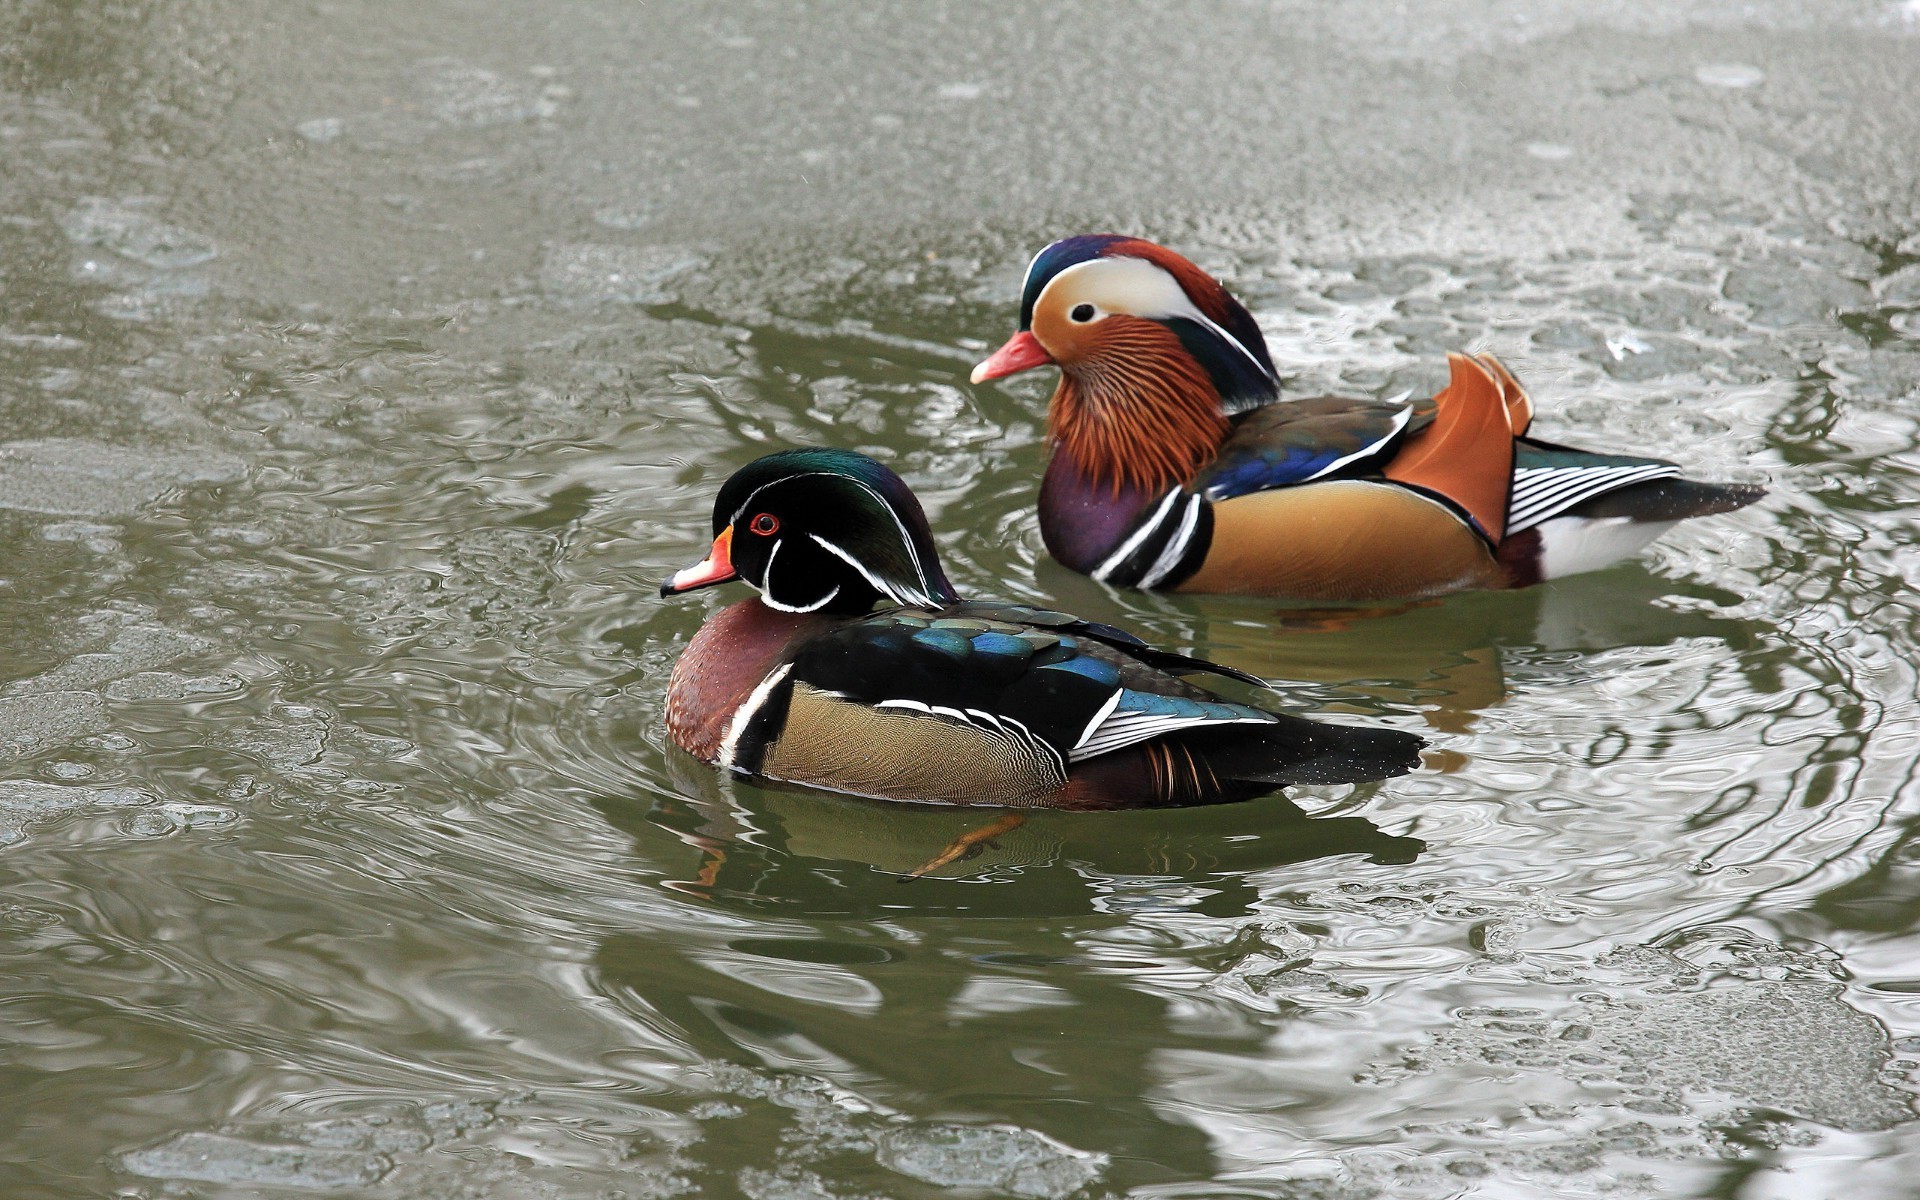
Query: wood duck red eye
x=766, y=525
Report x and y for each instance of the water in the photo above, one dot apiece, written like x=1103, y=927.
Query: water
x=364, y=367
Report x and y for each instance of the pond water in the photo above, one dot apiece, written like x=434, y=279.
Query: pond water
x=364, y=367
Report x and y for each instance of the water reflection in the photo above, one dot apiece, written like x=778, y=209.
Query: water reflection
x=338, y=849
x=1444, y=658
x=797, y=851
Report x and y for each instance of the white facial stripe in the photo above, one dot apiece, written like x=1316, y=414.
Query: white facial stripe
x=926, y=588
x=766, y=587
x=822, y=602
x=1138, y=288
x=897, y=594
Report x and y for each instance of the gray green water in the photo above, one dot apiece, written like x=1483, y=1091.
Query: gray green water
x=364, y=366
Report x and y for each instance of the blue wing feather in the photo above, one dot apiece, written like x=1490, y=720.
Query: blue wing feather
x=1295, y=441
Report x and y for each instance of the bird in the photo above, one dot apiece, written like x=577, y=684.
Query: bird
x=1176, y=466
x=857, y=668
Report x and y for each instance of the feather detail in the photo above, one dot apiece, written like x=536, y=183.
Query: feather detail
x=1519, y=404
x=1466, y=455
x=1141, y=412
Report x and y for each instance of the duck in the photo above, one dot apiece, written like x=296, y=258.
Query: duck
x=857, y=668
x=1176, y=465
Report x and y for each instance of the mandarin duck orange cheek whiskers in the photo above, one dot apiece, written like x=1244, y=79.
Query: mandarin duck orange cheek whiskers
x=1177, y=466
x=858, y=669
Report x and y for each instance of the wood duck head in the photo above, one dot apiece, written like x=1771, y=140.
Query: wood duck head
x=821, y=531
x=1154, y=357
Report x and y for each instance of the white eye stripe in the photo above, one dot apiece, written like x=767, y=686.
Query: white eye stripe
x=1143, y=289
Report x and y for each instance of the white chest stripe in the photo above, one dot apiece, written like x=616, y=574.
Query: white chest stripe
x=1176, y=547
x=1139, y=536
x=743, y=716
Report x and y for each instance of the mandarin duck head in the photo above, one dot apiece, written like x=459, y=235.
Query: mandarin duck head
x=1154, y=356
x=821, y=530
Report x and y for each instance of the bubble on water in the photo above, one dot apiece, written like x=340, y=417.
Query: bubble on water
x=133, y=650
x=1900, y=289
x=217, y=1158
x=791, y=1184
x=716, y=1110
x=461, y=94
x=25, y=803
x=1729, y=75
x=592, y=273
x=1549, y=151
x=1784, y=294
x=959, y=91
x=133, y=233
x=28, y=723
x=321, y=129
x=1787, y=1044
x=70, y=770
x=283, y=741
x=78, y=477
x=624, y=217
x=1012, y=1160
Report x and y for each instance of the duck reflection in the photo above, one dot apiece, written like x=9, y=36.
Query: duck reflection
x=819, y=852
x=1443, y=657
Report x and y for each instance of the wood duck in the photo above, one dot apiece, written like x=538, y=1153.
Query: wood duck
x=1176, y=466
x=936, y=699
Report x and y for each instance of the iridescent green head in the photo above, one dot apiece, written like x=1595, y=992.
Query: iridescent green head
x=821, y=530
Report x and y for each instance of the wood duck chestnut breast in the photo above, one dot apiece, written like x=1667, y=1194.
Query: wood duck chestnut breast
x=932, y=698
x=1176, y=465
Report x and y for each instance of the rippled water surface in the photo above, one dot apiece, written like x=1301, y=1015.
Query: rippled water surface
x=363, y=368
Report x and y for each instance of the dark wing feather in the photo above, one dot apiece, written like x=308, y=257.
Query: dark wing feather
x=1057, y=684
x=1294, y=441
x=1113, y=636
x=1552, y=481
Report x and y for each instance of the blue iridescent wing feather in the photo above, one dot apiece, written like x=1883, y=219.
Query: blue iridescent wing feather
x=1296, y=441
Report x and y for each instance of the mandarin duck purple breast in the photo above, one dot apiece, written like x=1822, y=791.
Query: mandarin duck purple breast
x=1177, y=466
x=858, y=669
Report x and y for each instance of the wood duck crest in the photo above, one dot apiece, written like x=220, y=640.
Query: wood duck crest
x=1175, y=467
x=937, y=699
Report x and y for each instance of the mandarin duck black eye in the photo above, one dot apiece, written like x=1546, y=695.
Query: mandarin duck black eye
x=858, y=669
x=1177, y=466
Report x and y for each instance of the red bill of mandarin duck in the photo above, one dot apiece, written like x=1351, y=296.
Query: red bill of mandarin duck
x=1177, y=466
x=858, y=669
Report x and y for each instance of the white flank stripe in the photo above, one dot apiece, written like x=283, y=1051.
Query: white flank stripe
x=1128, y=728
x=1105, y=711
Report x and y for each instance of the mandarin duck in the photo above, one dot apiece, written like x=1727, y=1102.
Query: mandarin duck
x=932, y=698
x=1176, y=466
